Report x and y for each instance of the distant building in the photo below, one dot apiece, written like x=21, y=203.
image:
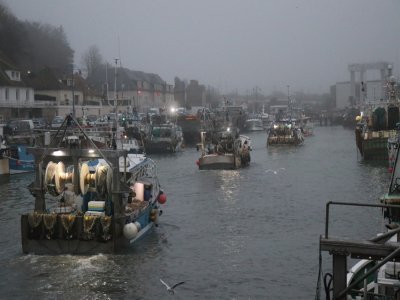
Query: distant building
x=358, y=92
x=195, y=94
x=16, y=97
x=370, y=92
x=133, y=90
x=341, y=93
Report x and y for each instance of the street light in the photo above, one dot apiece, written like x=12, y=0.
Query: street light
x=73, y=88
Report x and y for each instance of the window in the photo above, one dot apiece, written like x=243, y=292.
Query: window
x=27, y=95
x=17, y=94
x=7, y=94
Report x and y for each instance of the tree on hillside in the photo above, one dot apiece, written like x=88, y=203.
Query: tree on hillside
x=48, y=47
x=12, y=35
x=92, y=59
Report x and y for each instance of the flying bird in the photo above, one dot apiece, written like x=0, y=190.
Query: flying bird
x=274, y=171
x=169, y=288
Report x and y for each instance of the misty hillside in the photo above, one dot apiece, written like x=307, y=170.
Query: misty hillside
x=32, y=45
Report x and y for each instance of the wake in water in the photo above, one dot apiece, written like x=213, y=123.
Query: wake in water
x=275, y=171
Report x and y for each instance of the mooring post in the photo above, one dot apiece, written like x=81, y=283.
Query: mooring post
x=339, y=275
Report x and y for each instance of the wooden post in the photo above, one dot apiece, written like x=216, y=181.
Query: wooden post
x=38, y=191
x=339, y=275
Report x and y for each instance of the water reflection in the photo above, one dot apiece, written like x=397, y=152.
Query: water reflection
x=229, y=183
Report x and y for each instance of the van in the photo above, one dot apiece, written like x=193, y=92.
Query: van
x=18, y=127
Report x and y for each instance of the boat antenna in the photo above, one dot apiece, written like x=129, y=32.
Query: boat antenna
x=116, y=121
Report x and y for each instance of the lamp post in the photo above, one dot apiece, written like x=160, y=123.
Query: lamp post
x=73, y=94
x=288, y=97
x=73, y=87
x=115, y=86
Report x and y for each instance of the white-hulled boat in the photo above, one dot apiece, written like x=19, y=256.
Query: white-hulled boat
x=224, y=150
x=254, y=125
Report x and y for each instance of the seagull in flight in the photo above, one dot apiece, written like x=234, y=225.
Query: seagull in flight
x=169, y=288
x=274, y=171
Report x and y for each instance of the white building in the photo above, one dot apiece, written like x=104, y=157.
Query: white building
x=13, y=91
x=370, y=93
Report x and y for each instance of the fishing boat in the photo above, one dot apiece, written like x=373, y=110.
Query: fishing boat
x=85, y=202
x=376, y=275
x=254, y=124
x=377, y=123
x=284, y=132
x=20, y=160
x=193, y=122
x=135, y=153
x=224, y=150
x=164, y=138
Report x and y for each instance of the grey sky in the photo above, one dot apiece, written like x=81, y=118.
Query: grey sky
x=231, y=44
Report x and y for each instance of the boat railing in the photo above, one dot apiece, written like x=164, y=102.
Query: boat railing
x=375, y=249
x=330, y=203
x=145, y=169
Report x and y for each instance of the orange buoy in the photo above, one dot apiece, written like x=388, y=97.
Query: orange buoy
x=162, y=198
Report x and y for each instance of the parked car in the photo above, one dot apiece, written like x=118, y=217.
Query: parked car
x=39, y=123
x=57, y=122
x=18, y=127
x=91, y=120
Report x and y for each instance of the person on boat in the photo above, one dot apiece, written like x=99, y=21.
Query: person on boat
x=245, y=152
x=147, y=192
x=130, y=205
x=131, y=197
x=220, y=149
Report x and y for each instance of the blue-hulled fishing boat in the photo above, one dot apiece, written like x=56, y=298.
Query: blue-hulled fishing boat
x=86, y=202
x=20, y=160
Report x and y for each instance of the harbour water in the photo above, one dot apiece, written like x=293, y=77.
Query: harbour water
x=246, y=234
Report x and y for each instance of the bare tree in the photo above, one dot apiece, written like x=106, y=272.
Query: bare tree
x=92, y=59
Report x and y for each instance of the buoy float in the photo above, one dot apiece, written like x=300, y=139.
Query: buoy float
x=138, y=226
x=130, y=231
x=154, y=215
x=162, y=198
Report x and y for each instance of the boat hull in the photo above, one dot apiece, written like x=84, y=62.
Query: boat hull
x=78, y=240
x=17, y=167
x=375, y=149
x=161, y=147
x=373, y=145
x=217, y=162
x=283, y=140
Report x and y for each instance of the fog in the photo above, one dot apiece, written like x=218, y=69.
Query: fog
x=233, y=45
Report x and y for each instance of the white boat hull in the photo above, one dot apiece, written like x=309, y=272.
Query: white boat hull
x=217, y=161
